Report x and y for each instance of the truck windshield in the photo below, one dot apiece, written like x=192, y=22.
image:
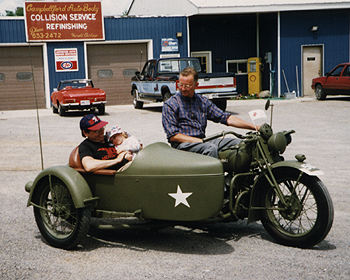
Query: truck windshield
x=176, y=65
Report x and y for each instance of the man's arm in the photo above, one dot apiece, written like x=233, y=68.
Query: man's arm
x=185, y=138
x=90, y=164
x=239, y=123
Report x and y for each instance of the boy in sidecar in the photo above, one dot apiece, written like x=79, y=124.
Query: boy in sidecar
x=95, y=151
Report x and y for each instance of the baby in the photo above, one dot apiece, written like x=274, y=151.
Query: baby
x=123, y=141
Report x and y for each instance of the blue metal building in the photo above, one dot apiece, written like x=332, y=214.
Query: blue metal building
x=129, y=35
x=294, y=44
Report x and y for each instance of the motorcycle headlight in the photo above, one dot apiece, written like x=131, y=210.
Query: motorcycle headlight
x=265, y=131
x=277, y=142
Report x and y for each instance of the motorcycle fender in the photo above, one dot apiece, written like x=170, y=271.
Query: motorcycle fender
x=302, y=166
x=75, y=182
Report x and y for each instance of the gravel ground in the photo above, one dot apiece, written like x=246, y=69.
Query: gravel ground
x=220, y=251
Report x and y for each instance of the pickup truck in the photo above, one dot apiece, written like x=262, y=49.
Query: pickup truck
x=158, y=82
x=333, y=83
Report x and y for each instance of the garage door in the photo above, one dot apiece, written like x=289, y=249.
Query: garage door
x=112, y=66
x=16, y=78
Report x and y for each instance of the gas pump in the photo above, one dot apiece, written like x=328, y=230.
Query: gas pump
x=254, y=75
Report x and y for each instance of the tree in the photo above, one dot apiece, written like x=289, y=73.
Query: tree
x=18, y=12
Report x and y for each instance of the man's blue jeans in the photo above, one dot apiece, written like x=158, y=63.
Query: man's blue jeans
x=210, y=148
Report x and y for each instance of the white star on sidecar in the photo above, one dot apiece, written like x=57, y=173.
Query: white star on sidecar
x=180, y=197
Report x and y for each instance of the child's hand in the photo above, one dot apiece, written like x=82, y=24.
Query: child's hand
x=121, y=156
x=128, y=156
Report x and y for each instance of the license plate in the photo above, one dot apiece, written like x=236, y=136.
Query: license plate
x=85, y=102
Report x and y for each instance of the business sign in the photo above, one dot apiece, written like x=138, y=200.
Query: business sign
x=66, y=59
x=58, y=21
x=170, y=45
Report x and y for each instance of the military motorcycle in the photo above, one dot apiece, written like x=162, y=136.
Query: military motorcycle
x=250, y=180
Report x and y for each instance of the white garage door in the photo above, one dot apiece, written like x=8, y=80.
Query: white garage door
x=16, y=78
x=111, y=67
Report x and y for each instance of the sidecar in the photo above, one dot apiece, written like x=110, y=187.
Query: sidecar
x=161, y=183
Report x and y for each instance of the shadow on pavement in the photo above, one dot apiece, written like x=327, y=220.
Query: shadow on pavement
x=209, y=239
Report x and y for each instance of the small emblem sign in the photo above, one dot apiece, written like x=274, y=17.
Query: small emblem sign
x=170, y=45
x=66, y=59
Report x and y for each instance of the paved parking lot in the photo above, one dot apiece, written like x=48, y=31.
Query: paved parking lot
x=223, y=251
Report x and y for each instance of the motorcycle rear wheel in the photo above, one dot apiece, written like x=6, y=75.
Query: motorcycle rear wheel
x=60, y=223
x=309, y=216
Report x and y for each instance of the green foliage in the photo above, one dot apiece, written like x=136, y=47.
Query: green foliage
x=18, y=12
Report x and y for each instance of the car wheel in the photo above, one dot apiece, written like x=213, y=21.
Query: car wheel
x=61, y=110
x=101, y=109
x=137, y=104
x=221, y=103
x=319, y=92
x=166, y=95
x=54, y=109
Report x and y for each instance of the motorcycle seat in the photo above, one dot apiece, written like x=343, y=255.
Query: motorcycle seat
x=75, y=163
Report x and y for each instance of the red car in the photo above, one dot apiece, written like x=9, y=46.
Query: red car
x=78, y=94
x=335, y=82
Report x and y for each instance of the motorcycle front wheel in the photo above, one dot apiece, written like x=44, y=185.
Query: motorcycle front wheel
x=60, y=223
x=308, y=216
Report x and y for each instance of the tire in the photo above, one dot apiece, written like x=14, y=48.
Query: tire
x=166, y=95
x=54, y=109
x=60, y=223
x=221, y=103
x=101, y=109
x=61, y=110
x=319, y=92
x=310, y=216
x=137, y=104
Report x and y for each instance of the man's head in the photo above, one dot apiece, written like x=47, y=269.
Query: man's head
x=188, y=81
x=92, y=127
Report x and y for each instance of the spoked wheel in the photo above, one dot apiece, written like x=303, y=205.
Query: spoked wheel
x=60, y=223
x=308, y=216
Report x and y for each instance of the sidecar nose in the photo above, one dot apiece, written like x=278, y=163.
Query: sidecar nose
x=28, y=186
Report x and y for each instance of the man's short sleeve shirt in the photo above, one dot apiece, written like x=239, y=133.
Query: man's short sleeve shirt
x=97, y=150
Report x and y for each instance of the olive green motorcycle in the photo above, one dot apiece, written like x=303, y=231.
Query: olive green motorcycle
x=250, y=181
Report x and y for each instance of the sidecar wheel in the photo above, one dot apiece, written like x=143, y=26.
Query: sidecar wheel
x=60, y=223
x=309, y=216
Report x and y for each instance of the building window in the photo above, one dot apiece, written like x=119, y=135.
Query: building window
x=129, y=72
x=105, y=73
x=204, y=59
x=237, y=66
x=2, y=77
x=24, y=76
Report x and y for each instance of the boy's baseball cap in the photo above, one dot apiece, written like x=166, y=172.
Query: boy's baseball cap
x=91, y=122
x=114, y=130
